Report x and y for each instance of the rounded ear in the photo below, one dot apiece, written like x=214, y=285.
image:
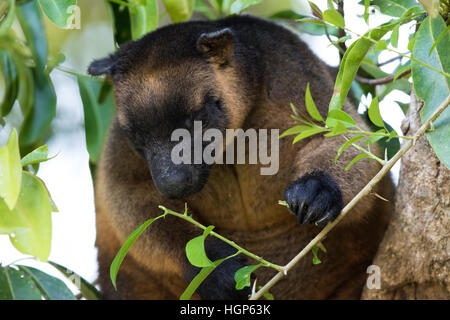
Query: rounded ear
x=102, y=66
x=218, y=45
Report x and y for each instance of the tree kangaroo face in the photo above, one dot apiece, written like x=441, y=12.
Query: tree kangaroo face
x=160, y=103
x=159, y=92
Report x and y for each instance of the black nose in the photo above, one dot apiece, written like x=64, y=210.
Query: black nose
x=174, y=185
x=176, y=181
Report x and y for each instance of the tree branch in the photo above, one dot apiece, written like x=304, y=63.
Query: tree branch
x=388, y=61
x=188, y=218
x=374, y=82
x=366, y=190
x=341, y=32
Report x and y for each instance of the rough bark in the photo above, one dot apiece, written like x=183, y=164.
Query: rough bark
x=414, y=256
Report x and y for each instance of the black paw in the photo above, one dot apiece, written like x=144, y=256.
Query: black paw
x=220, y=284
x=314, y=198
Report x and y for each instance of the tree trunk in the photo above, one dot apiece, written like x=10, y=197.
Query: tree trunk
x=414, y=256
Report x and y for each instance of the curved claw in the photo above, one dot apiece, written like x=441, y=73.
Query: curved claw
x=300, y=210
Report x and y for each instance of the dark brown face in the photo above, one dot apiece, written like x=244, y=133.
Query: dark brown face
x=162, y=93
x=156, y=106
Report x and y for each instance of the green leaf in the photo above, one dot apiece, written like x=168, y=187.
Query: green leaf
x=11, y=85
x=36, y=156
x=311, y=106
x=240, y=5
x=195, y=283
x=143, y=17
x=268, y=296
x=25, y=94
x=50, y=287
x=242, y=276
x=312, y=20
x=355, y=159
x=431, y=86
x=206, y=10
x=370, y=66
x=301, y=117
x=366, y=11
x=105, y=89
x=179, y=10
x=338, y=129
x=333, y=17
x=315, y=10
x=336, y=115
x=315, y=251
x=346, y=145
x=199, y=278
x=408, y=14
x=207, y=231
x=16, y=285
x=394, y=36
x=351, y=61
x=6, y=291
x=381, y=45
x=10, y=171
x=411, y=42
x=121, y=22
x=39, y=116
x=308, y=133
x=394, y=8
x=8, y=19
x=374, y=113
x=195, y=252
x=32, y=24
x=87, y=290
x=391, y=146
x=58, y=11
x=441, y=36
x=29, y=224
x=115, y=265
x=97, y=117
x=283, y=203
x=316, y=259
x=295, y=130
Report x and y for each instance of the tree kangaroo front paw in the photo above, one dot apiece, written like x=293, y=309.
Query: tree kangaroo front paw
x=314, y=198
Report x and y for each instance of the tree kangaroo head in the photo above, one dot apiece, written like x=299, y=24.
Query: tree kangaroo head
x=162, y=85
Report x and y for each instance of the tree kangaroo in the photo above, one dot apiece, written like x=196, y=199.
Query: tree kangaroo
x=238, y=72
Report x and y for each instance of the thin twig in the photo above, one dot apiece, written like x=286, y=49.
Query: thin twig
x=188, y=218
x=369, y=133
x=388, y=61
x=69, y=71
x=366, y=190
x=341, y=51
x=387, y=79
x=341, y=32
